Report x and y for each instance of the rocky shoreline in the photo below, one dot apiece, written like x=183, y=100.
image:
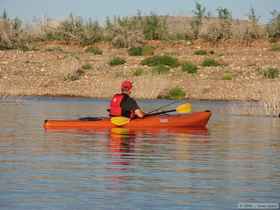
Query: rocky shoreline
x=46, y=73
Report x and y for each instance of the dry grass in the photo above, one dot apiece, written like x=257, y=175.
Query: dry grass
x=271, y=100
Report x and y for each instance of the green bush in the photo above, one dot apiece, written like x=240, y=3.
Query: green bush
x=273, y=27
x=154, y=27
x=53, y=36
x=135, y=51
x=139, y=51
x=227, y=76
x=189, y=67
x=117, y=61
x=138, y=72
x=271, y=73
x=275, y=47
x=72, y=55
x=148, y=50
x=200, y=52
x=176, y=93
x=54, y=49
x=87, y=66
x=210, y=62
x=161, y=69
x=94, y=50
x=161, y=60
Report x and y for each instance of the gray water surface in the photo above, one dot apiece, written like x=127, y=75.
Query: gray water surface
x=236, y=160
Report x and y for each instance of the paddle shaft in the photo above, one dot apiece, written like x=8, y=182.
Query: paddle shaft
x=166, y=105
x=158, y=113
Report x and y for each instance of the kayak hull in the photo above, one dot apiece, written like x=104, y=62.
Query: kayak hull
x=192, y=120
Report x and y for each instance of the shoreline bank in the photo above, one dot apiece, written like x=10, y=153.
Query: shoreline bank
x=55, y=73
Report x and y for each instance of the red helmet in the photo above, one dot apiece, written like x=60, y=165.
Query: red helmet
x=126, y=85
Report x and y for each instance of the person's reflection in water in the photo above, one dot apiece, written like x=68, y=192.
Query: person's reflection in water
x=121, y=148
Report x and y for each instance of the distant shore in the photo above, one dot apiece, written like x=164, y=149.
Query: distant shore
x=46, y=73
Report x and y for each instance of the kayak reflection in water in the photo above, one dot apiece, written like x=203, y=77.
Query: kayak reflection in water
x=123, y=105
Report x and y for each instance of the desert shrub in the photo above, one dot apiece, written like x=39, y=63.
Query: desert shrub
x=135, y=51
x=189, y=67
x=76, y=75
x=161, y=69
x=120, y=41
x=53, y=36
x=200, y=52
x=74, y=55
x=176, y=93
x=139, y=51
x=94, y=50
x=273, y=28
x=135, y=38
x=124, y=38
x=54, y=49
x=210, y=62
x=87, y=66
x=271, y=73
x=220, y=30
x=213, y=34
x=13, y=36
x=275, y=47
x=225, y=21
x=196, y=22
x=4, y=15
x=148, y=50
x=75, y=29
x=21, y=42
x=124, y=32
x=117, y=61
x=227, y=76
x=138, y=72
x=252, y=31
x=177, y=36
x=154, y=27
x=91, y=33
x=68, y=30
x=161, y=60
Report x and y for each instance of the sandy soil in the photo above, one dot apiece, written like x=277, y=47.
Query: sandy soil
x=46, y=72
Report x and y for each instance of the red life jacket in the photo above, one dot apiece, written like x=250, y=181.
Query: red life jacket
x=115, y=105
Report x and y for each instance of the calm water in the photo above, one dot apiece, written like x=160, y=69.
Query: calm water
x=236, y=160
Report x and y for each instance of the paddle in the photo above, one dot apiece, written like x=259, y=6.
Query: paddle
x=119, y=121
x=161, y=107
x=90, y=118
x=183, y=108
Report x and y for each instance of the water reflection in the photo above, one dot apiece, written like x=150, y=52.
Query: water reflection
x=236, y=160
x=121, y=147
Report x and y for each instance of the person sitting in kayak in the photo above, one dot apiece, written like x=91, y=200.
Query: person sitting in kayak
x=123, y=105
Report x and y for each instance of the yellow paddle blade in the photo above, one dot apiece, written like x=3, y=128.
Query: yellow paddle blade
x=184, y=108
x=119, y=121
x=120, y=131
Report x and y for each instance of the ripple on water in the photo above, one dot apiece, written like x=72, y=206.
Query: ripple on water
x=235, y=160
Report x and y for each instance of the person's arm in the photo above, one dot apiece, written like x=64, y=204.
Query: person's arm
x=139, y=113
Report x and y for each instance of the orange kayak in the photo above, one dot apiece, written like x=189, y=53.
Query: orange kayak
x=191, y=120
